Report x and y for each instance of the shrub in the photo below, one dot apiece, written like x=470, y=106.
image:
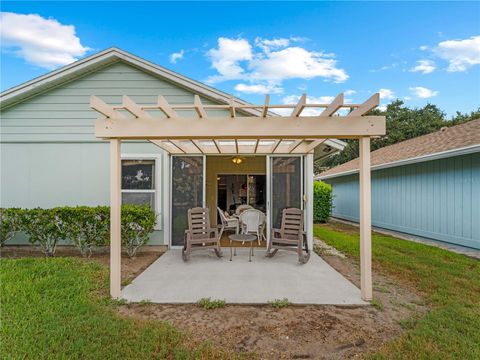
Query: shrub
x=86, y=226
x=322, y=201
x=9, y=224
x=209, y=304
x=137, y=224
x=43, y=226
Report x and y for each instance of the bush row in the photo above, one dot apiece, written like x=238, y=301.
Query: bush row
x=84, y=226
x=322, y=201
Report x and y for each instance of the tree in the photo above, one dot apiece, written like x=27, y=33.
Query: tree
x=402, y=123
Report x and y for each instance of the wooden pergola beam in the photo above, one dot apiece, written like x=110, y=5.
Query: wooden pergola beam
x=132, y=107
x=368, y=105
x=336, y=104
x=300, y=106
x=166, y=108
x=199, y=107
x=284, y=127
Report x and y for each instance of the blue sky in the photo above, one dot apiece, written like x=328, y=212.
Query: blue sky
x=417, y=52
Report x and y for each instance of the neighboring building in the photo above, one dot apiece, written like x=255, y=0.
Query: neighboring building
x=428, y=186
x=51, y=157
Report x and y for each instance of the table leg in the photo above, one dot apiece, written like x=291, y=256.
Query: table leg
x=251, y=252
x=230, y=252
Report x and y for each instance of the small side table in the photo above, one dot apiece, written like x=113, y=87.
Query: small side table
x=242, y=238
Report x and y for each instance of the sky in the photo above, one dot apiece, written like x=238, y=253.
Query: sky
x=419, y=52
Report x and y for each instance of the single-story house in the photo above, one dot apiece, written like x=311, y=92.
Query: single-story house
x=113, y=128
x=428, y=186
x=51, y=157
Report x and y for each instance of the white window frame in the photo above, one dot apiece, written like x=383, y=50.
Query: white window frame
x=157, y=182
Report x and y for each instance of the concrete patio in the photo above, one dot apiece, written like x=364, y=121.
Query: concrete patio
x=170, y=280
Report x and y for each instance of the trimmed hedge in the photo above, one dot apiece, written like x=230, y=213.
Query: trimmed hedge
x=84, y=226
x=322, y=201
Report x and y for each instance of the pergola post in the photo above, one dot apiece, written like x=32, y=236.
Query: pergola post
x=365, y=220
x=115, y=218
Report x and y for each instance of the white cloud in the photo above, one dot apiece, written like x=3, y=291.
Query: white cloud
x=276, y=61
x=270, y=44
x=382, y=107
x=295, y=62
x=350, y=92
x=386, y=94
x=227, y=56
x=43, y=42
x=424, y=66
x=174, y=57
x=423, y=92
x=407, y=98
x=461, y=54
x=259, y=88
x=423, y=47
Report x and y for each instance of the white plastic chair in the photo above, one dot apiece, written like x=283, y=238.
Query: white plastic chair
x=253, y=222
x=242, y=208
x=227, y=223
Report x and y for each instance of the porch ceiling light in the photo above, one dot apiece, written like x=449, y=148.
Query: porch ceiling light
x=237, y=160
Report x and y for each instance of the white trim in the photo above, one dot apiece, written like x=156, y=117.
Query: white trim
x=158, y=181
x=435, y=156
x=309, y=199
x=167, y=173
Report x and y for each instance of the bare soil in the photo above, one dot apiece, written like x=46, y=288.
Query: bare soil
x=297, y=332
x=294, y=332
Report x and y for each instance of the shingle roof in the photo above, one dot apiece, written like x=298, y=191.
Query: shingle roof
x=449, y=138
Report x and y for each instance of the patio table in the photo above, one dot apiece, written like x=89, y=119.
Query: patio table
x=242, y=238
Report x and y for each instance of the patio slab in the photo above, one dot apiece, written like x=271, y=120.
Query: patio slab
x=170, y=280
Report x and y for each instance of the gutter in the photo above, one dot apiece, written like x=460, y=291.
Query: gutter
x=435, y=156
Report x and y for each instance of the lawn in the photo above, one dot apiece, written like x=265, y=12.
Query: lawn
x=58, y=308
x=449, y=283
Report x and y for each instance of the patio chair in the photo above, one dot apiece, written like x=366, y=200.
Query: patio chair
x=290, y=236
x=253, y=222
x=242, y=208
x=200, y=235
x=231, y=223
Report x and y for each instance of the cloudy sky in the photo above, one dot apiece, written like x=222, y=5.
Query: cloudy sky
x=417, y=52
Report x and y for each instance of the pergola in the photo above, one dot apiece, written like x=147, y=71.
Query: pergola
x=234, y=128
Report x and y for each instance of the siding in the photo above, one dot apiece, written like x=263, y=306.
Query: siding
x=49, y=153
x=64, y=114
x=437, y=199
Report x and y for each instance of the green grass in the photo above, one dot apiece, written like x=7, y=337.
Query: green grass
x=58, y=308
x=449, y=283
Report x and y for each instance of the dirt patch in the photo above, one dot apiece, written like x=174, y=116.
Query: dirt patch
x=130, y=267
x=297, y=332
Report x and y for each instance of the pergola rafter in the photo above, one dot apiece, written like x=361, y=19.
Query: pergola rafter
x=296, y=133
x=240, y=129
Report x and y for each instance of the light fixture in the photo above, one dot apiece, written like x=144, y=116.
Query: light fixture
x=237, y=160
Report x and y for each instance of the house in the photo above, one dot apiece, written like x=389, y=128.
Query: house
x=51, y=157
x=428, y=186
x=113, y=128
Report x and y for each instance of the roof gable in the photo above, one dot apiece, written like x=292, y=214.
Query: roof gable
x=100, y=60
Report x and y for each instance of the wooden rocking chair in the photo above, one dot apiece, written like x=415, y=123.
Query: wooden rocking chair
x=291, y=236
x=200, y=235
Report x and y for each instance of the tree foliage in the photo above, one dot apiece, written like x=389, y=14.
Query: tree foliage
x=402, y=123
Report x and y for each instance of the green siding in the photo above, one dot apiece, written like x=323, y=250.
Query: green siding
x=64, y=113
x=437, y=199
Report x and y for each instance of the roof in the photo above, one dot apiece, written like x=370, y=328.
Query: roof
x=103, y=58
x=449, y=141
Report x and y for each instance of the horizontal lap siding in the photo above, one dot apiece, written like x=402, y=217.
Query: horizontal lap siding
x=437, y=199
x=64, y=113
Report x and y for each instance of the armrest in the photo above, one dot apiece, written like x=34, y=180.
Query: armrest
x=276, y=231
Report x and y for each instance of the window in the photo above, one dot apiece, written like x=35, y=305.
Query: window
x=139, y=182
